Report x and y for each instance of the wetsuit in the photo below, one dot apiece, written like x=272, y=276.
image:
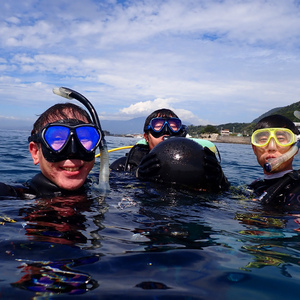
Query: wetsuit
x=38, y=186
x=130, y=162
x=279, y=192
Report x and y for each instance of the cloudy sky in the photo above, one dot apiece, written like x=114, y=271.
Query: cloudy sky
x=211, y=61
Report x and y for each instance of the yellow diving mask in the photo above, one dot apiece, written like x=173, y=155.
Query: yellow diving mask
x=283, y=136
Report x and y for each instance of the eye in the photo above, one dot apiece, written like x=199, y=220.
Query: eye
x=158, y=124
x=262, y=138
x=282, y=137
x=57, y=143
x=173, y=125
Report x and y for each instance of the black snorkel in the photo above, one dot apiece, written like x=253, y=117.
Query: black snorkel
x=103, y=185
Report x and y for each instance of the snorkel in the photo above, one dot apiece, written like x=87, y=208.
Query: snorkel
x=103, y=185
x=274, y=163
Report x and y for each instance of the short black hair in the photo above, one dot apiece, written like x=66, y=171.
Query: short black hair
x=163, y=112
x=276, y=121
x=59, y=111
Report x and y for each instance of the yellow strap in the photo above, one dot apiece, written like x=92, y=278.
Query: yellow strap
x=116, y=149
x=202, y=142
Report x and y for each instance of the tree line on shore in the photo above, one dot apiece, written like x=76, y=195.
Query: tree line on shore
x=244, y=129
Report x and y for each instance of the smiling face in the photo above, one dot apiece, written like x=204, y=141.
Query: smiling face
x=272, y=150
x=67, y=174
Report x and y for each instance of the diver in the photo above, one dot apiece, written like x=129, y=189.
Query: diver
x=275, y=143
x=160, y=126
x=63, y=142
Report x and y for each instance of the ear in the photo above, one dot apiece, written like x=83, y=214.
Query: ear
x=146, y=137
x=34, y=151
x=254, y=149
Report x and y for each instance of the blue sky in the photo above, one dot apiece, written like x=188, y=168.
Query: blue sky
x=212, y=62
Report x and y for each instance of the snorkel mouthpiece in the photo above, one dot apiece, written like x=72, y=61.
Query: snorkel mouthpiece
x=103, y=185
x=274, y=163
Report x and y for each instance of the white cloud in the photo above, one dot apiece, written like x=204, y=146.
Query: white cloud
x=147, y=107
x=218, y=60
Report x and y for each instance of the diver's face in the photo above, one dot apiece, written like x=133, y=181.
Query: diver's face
x=69, y=174
x=159, y=137
x=272, y=150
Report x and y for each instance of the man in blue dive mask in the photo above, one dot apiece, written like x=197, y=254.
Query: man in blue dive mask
x=160, y=124
x=63, y=142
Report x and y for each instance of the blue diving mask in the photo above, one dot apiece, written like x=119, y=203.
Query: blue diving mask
x=68, y=139
x=165, y=126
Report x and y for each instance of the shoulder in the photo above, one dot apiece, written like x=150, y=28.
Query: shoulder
x=205, y=143
x=283, y=192
x=118, y=164
x=135, y=155
x=132, y=158
x=7, y=190
x=292, y=193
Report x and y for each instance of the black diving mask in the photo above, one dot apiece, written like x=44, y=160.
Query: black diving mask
x=68, y=139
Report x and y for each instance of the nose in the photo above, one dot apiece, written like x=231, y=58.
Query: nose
x=272, y=146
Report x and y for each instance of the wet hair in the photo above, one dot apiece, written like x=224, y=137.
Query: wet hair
x=276, y=121
x=163, y=112
x=60, y=111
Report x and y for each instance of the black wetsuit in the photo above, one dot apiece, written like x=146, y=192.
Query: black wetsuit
x=130, y=162
x=38, y=186
x=279, y=192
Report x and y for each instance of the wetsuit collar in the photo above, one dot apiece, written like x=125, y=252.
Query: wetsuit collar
x=43, y=187
x=276, y=175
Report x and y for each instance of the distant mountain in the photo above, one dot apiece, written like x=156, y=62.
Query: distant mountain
x=287, y=111
x=270, y=112
x=136, y=125
x=247, y=128
x=133, y=126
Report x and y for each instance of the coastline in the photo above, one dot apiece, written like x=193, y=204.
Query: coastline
x=216, y=138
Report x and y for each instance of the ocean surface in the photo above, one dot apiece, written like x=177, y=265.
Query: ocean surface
x=144, y=241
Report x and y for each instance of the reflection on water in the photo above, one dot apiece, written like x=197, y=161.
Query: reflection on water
x=59, y=220
x=147, y=242
x=56, y=277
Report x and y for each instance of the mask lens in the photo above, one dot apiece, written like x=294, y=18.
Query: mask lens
x=174, y=124
x=88, y=137
x=284, y=137
x=261, y=138
x=157, y=124
x=56, y=136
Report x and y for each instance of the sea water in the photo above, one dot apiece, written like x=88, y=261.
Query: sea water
x=145, y=241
